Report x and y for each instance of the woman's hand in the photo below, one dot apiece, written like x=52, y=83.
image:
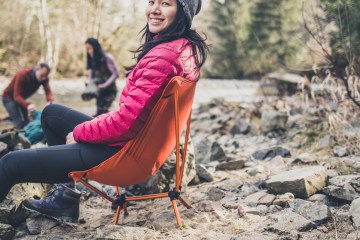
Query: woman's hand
x=102, y=86
x=70, y=138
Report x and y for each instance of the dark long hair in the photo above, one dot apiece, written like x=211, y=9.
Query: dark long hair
x=99, y=56
x=180, y=28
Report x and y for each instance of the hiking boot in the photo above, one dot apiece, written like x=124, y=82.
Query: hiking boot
x=61, y=203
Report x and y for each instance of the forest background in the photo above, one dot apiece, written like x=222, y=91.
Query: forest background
x=248, y=38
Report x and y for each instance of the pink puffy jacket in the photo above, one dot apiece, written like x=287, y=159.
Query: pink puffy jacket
x=143, y=89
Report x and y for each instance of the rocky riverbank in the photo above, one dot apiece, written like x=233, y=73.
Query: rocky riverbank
x=257, y=169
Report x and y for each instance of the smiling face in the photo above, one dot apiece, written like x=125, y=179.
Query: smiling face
x=160, y=14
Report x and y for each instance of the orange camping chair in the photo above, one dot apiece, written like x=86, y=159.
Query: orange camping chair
x=142, y=156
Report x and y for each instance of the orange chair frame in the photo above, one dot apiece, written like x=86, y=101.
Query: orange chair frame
x=172, y=90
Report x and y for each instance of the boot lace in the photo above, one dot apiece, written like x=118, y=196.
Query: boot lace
x=54, y=191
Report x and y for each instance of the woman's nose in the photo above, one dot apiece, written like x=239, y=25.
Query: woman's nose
x=155, y=8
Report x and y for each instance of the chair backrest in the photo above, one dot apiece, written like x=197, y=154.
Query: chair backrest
x=142, y=156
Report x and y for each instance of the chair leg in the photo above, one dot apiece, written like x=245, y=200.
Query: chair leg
x=125, y=210
x=188, y=206
x=176, y=211
x=116, y=219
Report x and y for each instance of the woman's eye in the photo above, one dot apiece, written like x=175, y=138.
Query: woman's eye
x=151, y=2
x=165, y=4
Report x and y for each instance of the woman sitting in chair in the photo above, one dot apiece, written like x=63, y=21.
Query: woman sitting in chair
x=79, y=142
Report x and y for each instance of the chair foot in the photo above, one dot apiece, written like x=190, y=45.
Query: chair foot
x=116, y=219
x=176, y=211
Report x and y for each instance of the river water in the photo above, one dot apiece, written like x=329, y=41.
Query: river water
x=68, y=92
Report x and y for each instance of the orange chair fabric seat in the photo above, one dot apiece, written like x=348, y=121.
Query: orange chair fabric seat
x=142, y=156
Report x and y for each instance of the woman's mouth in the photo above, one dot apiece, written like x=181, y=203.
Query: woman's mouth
x=156, y=20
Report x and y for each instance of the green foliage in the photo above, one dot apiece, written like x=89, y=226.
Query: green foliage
x=266, y=34
x=273, y=38
x=254, y=37
x=345, y=42
x=55, y=31
x=228, y=27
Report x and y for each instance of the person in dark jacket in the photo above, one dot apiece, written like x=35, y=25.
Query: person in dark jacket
x=171, y=48
x=102, y=72
x=24, y=84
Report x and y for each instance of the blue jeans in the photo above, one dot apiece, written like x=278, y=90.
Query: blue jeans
x=18, y=113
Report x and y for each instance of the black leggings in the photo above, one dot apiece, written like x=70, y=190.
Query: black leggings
x=104, y=101
x=52, y=164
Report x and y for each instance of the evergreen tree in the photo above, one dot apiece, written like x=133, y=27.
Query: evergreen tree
x=273, y=33
x=265, y=33
x=228, y=29
x=345, y=42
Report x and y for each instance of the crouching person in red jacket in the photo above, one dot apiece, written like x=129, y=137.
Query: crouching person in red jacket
x=24, y=84
x=78, y=142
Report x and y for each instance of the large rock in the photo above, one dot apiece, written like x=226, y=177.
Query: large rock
x=340, y=151
x=203, y=173
x=345, y=187
x=301, y=182
x=260, y=198
x=273, y=121
x=6, y=231
x=311, y=211
x=4, y=215
x=342, y=180
x=306, y=158
x=23, y=191
x=241, y=127
x=344, y=166
x=350, y=132
x=37, y=224
x=324, y=142
x=207, y=151
x=268, y=154
x=284, y=199
x=355, y=212
x=284, y=222
x=163, y=179
x=203, y=151
x=277, y=83
x=232, y=165
x=217, y=153
x=346, y=192
x=215, y=194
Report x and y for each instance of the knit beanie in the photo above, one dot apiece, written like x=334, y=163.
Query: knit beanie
x=191, y=8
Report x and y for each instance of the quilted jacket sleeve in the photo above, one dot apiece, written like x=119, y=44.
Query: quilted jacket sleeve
x=145, y=88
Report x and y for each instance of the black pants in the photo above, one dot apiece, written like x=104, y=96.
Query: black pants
x=52, y=164
x=104, y=101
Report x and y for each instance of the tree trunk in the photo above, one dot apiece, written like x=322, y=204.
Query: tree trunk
x=48, y=43
x=99, y=9
x=28, y=21
x=41, y=32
